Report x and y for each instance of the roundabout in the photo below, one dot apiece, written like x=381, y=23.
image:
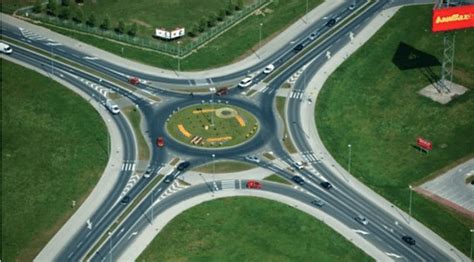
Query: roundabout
x=212, y=126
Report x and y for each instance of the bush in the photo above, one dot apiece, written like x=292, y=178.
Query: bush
x=65, y=2
x=194, y=30
x=37, y=7
x=211, y=20
x=229, y=9
x=120, y=29
x=133, y=30
x=91, y=20
x=78, y=16
x=202, y=25
x=65, y=13
x=221, y=15
x=105, y=23
x=52, y=8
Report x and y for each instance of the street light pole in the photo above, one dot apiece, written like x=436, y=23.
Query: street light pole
x=152, y=214
x=213, y=168
x=470, y=255
x=179, y=56
x=409, y=206
x=213, y=90
x=350, y=153
x=260, y=38
x=52, y=63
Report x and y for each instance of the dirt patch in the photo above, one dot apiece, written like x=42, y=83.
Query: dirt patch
x=142, y=23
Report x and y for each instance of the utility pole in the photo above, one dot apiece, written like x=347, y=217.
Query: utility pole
x=409, y=206
x=349, y=163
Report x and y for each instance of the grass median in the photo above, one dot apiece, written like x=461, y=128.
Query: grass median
x=372, y=104
x=46, y=158
x=248, y=229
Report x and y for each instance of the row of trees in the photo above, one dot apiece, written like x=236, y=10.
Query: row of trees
x=65, y=11
x=212, y=20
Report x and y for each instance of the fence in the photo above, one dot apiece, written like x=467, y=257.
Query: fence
x=167, y=48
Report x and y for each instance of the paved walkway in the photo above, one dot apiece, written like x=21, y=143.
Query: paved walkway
x=309, y=126
x=453, y=189
x=105, y=184
x=268, y=48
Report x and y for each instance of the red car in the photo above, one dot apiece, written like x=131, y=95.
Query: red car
x=160, y=142
x=134, y=80
x=222, y=91
x=252, y=184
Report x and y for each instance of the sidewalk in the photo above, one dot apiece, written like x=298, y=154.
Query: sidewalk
x=267, y=49
x=309, y=126
x=145, y=237
x=100, y=191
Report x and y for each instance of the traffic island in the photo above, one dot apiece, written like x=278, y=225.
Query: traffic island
x=212, y=126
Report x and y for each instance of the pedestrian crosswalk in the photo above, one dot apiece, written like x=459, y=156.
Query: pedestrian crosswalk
x=309, y=156
x=128, y=166
x=228, y=184
x=296, y=94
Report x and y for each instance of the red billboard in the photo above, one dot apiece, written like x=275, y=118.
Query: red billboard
x=424, y=144
x=452, y=18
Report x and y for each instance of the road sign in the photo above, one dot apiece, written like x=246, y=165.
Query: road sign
x=452, y=18
x=424, y=144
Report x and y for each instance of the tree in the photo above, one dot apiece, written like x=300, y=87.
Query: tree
x=65, y=2
x=211, y=20
x=202, y=25
x=37, y=7
x=133, y=30
x=105, y=23
x=52, y=8
x=78, y=16
x=65, y=13
x=91, y=20
x=221, y=15
x=120, y=27
x=194, y=30
x=229, y=10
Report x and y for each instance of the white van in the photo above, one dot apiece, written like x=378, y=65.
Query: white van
x=4, y=48
x=245, y=82
x=113, y=108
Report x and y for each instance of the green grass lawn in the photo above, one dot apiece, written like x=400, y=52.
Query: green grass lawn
x=134, y=117
x=374, y=106
x=194, y=122
x=224, y=167
x=278, y=179
x=249, y=229
x=54, y=149
x=9, y=6
x=231, y=46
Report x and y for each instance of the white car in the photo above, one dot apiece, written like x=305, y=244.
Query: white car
x=4, y=48
x=352, y=7
x=298, y=164
x=254, y=159
x=268, y=69
x=113, y=108
x=246, y=82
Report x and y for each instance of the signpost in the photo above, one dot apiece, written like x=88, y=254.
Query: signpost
x=424, y=144
x=163, y=33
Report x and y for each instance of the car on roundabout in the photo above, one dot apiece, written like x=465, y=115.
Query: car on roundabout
x=148, y=172
x=125, y=200
x=268, y=69
x=246, y=82
x=183, y=165
x=252, y=184
x=169, y=179
x=253, y=159
x=160, y=142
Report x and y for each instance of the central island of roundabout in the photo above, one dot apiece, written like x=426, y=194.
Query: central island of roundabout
x=212, y=126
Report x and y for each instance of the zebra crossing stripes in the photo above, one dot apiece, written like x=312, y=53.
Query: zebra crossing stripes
x=309, y=156
x=36, y=37
x=128, y=166
x=296, y=94
x=228, y=184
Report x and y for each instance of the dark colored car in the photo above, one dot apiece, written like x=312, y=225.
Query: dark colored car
x=183, y=165
x=331, y=22
x=317, y=202
x=409, y=240
x=326, y=185
x=298, y=47
x=169, y=179
x=298, y=180
x=125, y=200
x=222, y=91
